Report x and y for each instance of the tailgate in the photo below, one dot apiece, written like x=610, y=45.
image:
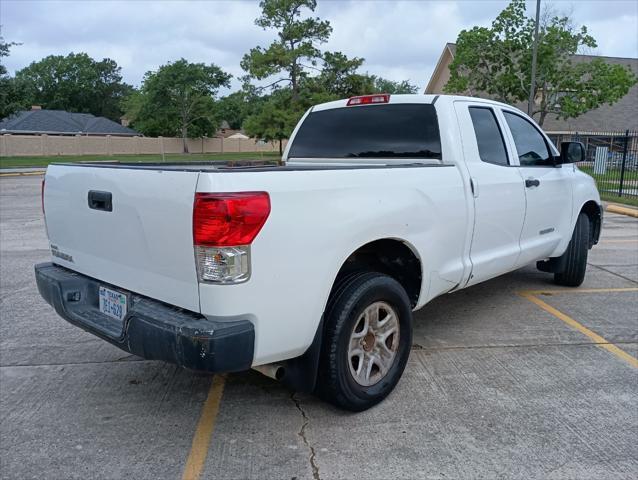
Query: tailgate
x=143, y=244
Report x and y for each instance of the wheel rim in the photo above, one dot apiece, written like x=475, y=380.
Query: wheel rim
x=373, y=344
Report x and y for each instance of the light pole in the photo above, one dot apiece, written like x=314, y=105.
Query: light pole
x=532, y=87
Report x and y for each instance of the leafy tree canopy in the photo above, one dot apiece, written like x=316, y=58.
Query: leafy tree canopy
x=237, y=106
x=304, y=75
x=178, y=99
x=13, y=94
x=496, y=62
x=76, y=83
x=275, y=120
x=295, y=51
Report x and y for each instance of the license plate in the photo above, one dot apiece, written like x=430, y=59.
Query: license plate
x=112, y=303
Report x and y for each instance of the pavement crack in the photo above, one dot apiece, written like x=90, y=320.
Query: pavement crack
x=169, y=385
x=302, y=434
x=70, y=364
x=125, y=357
x=612, y=272
x=15, y=292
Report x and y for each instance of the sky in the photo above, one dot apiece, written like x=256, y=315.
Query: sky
x=400, y=40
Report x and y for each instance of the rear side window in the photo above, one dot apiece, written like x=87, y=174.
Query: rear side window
x=530, y=144
x=490, y=142
x=375, y=131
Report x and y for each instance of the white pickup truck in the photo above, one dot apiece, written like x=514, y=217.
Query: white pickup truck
x=309, y=270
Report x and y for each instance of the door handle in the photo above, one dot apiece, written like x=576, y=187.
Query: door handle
x=100, y=200
x=532, y=182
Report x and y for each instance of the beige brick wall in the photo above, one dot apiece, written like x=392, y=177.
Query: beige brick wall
x=54, y=145
x=93, y=145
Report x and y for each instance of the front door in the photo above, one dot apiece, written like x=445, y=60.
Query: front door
x=548, y=191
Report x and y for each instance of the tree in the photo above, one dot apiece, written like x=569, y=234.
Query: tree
x=382, y=85
x=5, y=48
x=237, y=106
x=13, y=95
x=231, y=109
x=275, y=120
x=76, y=83
x=304, y=75
x=178, y=99
x=339, y=78
x=496, y=62
x=296, y=43
x=339, y=75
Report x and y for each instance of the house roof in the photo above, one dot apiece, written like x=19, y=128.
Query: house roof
x=62, y=122
x=442, y=67
x=618, y=116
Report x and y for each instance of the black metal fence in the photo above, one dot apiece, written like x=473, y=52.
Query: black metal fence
x=611, y=158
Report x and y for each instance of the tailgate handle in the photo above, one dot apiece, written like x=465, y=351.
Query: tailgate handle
x=100, y=200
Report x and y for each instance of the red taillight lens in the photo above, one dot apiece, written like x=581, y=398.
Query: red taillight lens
x=42, y=196
x=229, y=219
x=369, y=99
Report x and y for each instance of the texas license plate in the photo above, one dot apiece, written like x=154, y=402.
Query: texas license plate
x=112, y=303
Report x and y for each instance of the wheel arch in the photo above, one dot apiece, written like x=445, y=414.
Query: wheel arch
x=392, y=256
x=594, y=212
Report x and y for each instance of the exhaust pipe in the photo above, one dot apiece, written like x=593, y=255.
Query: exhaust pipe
x=275, y=371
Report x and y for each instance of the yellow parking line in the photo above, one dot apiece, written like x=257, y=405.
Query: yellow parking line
x=557, y=291
x=20, y=174
x=597, y=339
x=203, y=433
x=621, y=240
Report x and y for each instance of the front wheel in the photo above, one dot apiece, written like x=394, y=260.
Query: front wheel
x=575, y=257
x=366, y=342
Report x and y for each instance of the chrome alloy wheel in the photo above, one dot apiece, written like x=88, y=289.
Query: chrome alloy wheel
x=373, y=344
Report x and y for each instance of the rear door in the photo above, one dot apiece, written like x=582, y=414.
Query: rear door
x=548, y=190
x=131, y=228
x=499, y=197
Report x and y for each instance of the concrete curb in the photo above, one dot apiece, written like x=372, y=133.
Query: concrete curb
x=631, y=212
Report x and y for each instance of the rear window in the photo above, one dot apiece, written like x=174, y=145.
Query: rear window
x=375, y=131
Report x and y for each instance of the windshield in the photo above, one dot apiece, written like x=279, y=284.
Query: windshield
x=375, y=131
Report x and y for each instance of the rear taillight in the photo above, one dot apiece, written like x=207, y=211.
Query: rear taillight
x=369, y=99
x=224, y=226
x=42, y=196
x=229, y=219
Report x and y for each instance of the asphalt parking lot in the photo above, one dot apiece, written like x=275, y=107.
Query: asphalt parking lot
x=513, y=378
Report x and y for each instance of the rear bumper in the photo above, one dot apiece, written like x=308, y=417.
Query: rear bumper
x=151, y=329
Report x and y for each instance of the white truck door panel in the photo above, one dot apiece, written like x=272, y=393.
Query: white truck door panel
x=548, y=191
x=499, y=197
x=548, y=212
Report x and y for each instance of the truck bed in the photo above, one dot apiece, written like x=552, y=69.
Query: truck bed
x=257, y=166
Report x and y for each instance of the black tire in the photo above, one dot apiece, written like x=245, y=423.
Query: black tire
x=348, y=300
x=576, y=255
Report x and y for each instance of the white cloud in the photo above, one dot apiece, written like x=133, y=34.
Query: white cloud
x=399, y=39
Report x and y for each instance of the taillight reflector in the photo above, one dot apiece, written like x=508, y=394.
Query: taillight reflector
x=229, y=219
x=369, y=99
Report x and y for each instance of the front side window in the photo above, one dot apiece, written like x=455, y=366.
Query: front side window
x=371, y=131
x=490, y=142
x=530, y=144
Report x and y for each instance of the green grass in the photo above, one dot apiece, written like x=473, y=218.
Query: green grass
x=610, y=197
x=609, y=183
x=18, y=162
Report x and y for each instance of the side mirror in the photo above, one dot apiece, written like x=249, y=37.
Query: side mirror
x=572, y=152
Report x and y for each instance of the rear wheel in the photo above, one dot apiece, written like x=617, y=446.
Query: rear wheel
x=575, y=259
x=367, y=341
